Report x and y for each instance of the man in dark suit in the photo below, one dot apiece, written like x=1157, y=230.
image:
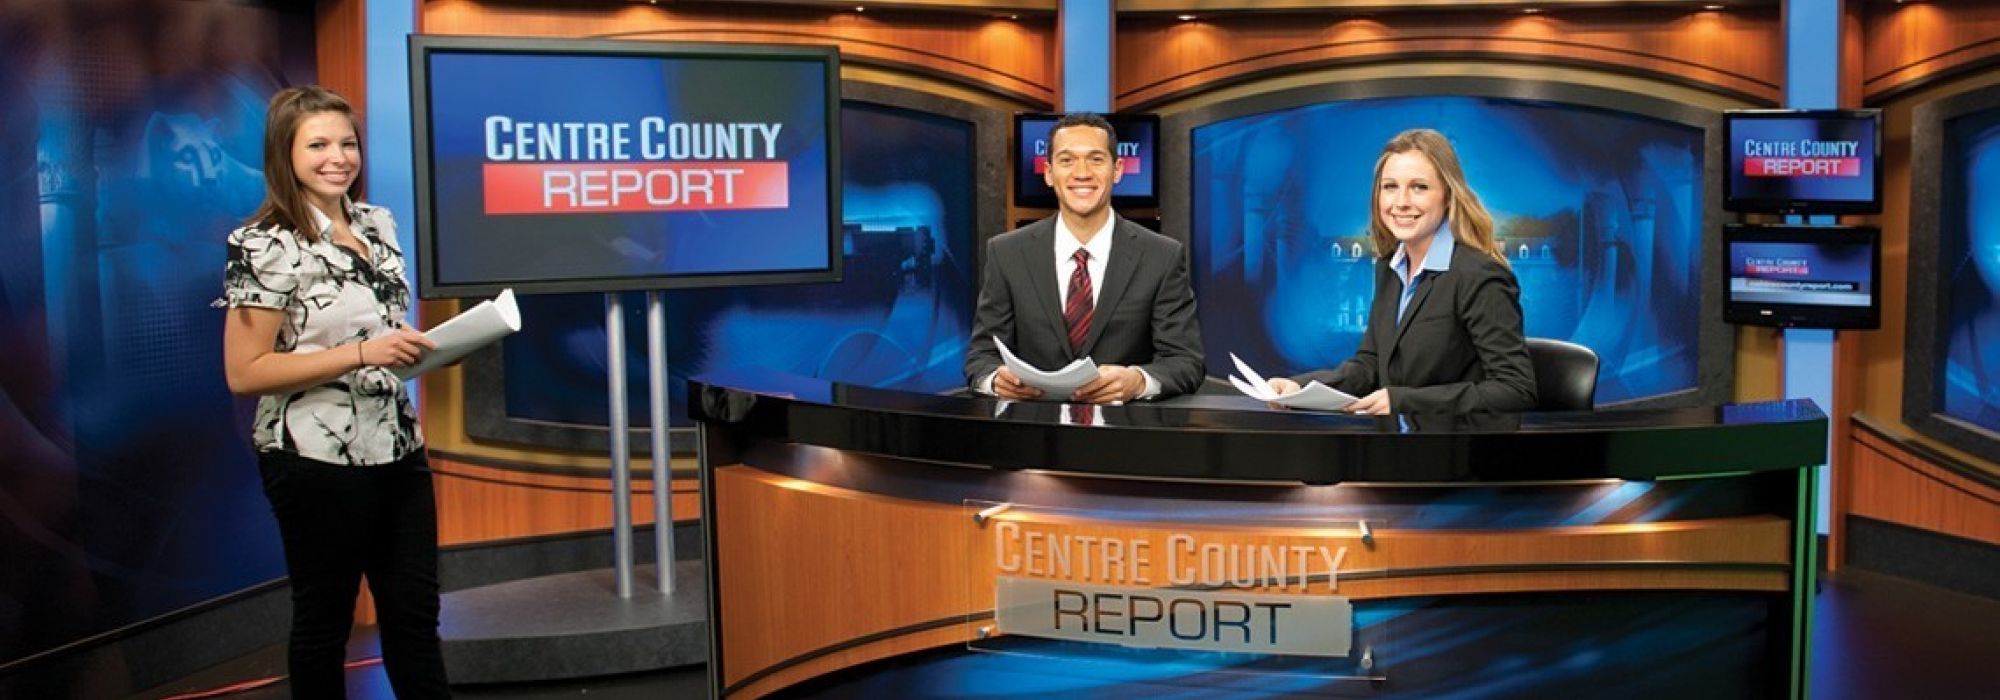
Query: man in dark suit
x=1085, y=283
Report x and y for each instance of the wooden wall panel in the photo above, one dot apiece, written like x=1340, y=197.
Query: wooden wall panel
x=1906, y=45
x=1014, y=58
x=1911, y=54
x=1739, y=52
x=1847, y=347
x=481, y=503
x=866, y=570
x=484, y=504
x=1893, y=485
x=341, y=47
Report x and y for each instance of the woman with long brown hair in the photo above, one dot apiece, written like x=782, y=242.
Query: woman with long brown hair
x=1445, y=331
x=315, y=298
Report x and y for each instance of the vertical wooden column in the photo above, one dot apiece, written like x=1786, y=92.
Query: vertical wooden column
x=340, y=33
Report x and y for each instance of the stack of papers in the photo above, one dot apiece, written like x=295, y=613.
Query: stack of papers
x=458, y=336
x=1313, y=396
x=1057, y=385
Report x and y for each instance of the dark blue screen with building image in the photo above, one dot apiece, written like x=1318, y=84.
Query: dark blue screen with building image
x=1970, y=254
x=898, y=319
x=1599, y=212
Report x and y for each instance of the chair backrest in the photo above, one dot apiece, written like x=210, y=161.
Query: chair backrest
x=1565, y=375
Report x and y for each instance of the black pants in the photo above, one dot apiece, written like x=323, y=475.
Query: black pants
x=339, y=524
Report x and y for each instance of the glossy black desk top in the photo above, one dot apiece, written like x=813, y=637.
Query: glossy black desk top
x=1236, y=438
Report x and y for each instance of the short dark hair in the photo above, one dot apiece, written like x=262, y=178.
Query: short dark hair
x=1087, y=119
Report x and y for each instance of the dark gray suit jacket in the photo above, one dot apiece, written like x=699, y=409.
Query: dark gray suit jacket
x=1459, y=349
x=1145, y=307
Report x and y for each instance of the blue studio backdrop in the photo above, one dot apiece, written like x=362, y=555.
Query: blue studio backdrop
x=1970, y=251
x=128, y=488
x=1598, y=211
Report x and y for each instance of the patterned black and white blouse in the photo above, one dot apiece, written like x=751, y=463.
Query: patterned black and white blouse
x=331, y=297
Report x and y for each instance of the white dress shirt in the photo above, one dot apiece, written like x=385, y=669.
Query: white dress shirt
x=1100, y=257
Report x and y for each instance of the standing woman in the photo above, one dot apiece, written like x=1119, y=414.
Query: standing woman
x=1444, y=333
x=315, y=296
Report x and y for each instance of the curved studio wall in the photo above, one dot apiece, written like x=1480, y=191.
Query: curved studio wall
x=1601, y=203
x=128, y=489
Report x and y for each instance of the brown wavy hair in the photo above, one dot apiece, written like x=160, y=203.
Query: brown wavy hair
x=1471, y=224
x=284, y=198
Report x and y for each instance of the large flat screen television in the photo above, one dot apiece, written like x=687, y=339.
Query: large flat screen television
x=1951, y=357
x=914, y=210
x=1803, y=161
x=601, y=165
x=1803, y=276
x=1138, y=141
x=1598, y=200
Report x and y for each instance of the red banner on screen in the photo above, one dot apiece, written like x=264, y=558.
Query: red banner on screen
x=1802, y=167
x=589, y=188
x=1787, y=269
x=1129, y=165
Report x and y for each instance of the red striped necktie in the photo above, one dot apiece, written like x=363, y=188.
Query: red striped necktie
x=1082, y=414
x=1079, y=308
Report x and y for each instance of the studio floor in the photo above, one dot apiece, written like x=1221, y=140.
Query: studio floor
x=1875, y=637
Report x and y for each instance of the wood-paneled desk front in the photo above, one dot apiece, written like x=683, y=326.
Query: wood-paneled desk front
x=916, y=541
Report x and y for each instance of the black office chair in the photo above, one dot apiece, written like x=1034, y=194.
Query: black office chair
x=1565, y=375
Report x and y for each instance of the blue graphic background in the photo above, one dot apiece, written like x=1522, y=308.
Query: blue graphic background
x=473, y=248
x=1599, y=212
x=897, y=320
x=1856, y=189
x=127, y=485
x=1970, y=249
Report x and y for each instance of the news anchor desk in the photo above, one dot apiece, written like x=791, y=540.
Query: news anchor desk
x=890, y=543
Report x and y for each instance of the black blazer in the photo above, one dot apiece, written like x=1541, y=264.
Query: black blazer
x=1145, y=307
x=1460, y=348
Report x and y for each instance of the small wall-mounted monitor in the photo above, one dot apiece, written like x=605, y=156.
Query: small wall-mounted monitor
x=1138, y=141
x=575, y=165
x=1803, y=161
x=1803, y=277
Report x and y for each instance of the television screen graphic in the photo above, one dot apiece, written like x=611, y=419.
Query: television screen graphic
x=1802, y=276
x=896, y=320
x=1138, y=139
x=1802, y=162
x=1801, y=273
x=1599, y=213
x=608, y=165
x=1970, y=251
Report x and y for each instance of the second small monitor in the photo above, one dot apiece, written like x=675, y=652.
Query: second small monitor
x=1138, y=140
x=1803, y=277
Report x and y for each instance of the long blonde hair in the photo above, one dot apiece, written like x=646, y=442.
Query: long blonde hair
x=284, y=198
x=1471, y=225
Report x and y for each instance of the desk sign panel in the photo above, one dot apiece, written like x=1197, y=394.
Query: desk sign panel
x=1289, y=625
